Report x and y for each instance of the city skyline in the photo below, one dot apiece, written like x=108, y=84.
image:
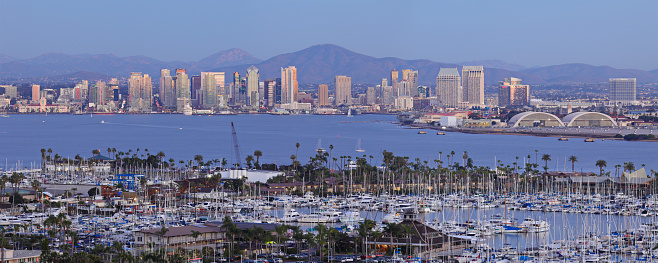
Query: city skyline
x=543, y=33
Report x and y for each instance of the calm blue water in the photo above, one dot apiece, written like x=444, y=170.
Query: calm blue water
x=181, y=137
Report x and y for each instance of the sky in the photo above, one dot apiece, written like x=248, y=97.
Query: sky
x=621, y=34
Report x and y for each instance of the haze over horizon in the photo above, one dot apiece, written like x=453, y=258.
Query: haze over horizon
x=529, y=33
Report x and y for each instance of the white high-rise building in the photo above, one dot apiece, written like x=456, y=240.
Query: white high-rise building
x=212, y=88
x=473, y=85
x=449, y=87
x=622, y=91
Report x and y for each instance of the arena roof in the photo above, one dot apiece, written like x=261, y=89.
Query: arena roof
x=589, y=119
x=535, y=119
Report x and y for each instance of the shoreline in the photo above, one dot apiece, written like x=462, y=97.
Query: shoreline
x=554, y=133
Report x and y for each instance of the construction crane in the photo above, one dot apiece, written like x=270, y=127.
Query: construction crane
x=236, y=146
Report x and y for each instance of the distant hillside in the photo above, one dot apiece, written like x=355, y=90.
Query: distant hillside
x=494, y=63
x=655, y=71
x=6, y=58
x=321, y=63
x=589, y=74
x=55, y=64
x=316, y=64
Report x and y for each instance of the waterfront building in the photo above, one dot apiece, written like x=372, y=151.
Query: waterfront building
x=183, y=94
x=473, y=84
x=343, y=85
x=289, y=85
x=323, y=95
x=11, y=91
x=512, y=93
x=98, y=94
x=371, y=97
x=622, y=91
x=449, y=87
x=36, y=92
x=253, y=97
x=404, y=103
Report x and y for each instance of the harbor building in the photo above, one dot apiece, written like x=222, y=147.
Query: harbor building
x=535, y=119
x=588, y=119
x=622, y=91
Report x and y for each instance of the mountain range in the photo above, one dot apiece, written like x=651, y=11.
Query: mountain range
x=315, y=64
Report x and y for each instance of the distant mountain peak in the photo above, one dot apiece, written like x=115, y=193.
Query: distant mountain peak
x=233, y=56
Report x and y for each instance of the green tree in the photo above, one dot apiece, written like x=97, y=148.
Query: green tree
x=601, y=164
x=573, y=159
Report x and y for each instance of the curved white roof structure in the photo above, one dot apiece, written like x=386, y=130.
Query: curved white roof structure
x=589, y=119
x=535, y=119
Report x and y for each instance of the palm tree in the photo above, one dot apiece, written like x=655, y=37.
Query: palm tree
x=630, y=167
x=601, y=164
x=297, y=146
x=573, y=159
x=546, y=158
x=258, y=154
x=198, y=158
x=35, y=186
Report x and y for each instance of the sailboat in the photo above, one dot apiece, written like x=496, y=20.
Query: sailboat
x=358, y=146
x=349, y=113
x=319, y=146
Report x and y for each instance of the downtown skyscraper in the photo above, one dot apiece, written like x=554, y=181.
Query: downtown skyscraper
x=167, y=89
x=622, y=91
x=449, y=87
x=512, y=93
x=343, y=85
x=183, y=93
x=253, y=96
x=473, y=85
x=289, y=85
x=213, y=90
x=140, y=92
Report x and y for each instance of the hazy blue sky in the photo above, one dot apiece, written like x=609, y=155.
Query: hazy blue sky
x=622, y=34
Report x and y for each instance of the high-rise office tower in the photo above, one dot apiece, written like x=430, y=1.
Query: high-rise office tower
x=113, y=90
x=135, y=91
x=212, y=89
x=269, y=94
x=343, y=85
x=11, y=91
x=323, y=95
x=36, y=92
x=371, y=97
x=622, y=90
x=168, y=98
x=473, y=84
x=84, y=90
x=387, y=95
x=394, y=81
x=449, y=87
x=253, y=97
x=195, y=90
x=183, y=94
x=410, y=79
x=161, y=87
x=512, y=93
x=289, y=85
x=146, y=93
